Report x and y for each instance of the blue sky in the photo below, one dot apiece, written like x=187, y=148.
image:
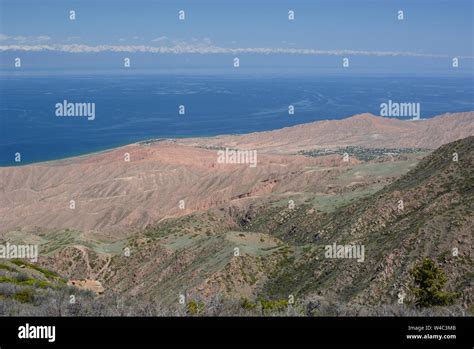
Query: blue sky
x=368, y=32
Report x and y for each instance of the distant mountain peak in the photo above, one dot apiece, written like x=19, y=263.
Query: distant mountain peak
x=365, y=116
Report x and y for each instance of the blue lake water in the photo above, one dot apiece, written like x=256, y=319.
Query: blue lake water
x=140, y=107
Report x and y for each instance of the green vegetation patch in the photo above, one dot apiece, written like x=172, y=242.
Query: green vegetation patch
x=48, y=273
x=430, y=281
x=24, y=296
x=330, y=202
x=363, y=154
x=26, y=282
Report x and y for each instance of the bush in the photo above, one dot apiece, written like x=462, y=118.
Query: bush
x=7, y=289
x=24, y=296
x=194, y=307
x=6, y=267
x=45, y=272
x=276, y=305
x=246, y=304
x=430, y=280
x=20, y=277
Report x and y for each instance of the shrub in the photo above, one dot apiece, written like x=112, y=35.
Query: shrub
x=8, y=279
x=45, y=272
x=21, y=277
x=7, y=289
x=24, y=296
x=6, y=267
x=430, y=280
x=246, y=304
x=276, y=305
x=194, y=307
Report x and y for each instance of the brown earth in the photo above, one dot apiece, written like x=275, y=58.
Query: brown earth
x=365, y=130
x=117, y=197
x=112, y=195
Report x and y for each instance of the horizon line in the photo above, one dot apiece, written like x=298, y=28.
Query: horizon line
x=184, y=48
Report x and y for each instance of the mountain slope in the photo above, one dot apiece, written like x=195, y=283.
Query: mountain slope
x=282, y=249
x=437, y=218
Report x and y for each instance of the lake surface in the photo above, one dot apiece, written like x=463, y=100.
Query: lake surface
x=134, y=108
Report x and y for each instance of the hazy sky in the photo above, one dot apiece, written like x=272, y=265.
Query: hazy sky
x=323, y=32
